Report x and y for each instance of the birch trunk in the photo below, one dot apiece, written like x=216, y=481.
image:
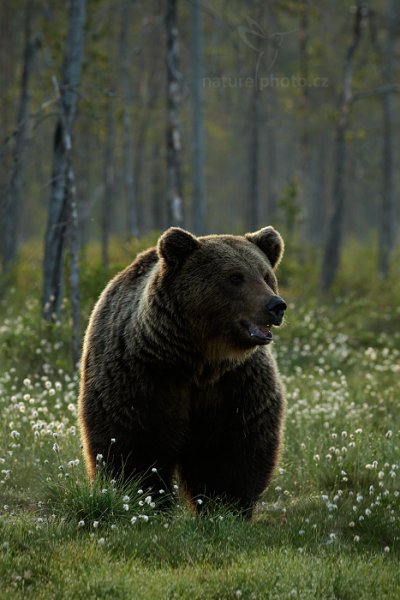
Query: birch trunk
x=254, y=160
x=303, y=159
x=333, y=244
x=271, y=160
x=127, y=122
x=386, y=233
x=13, y=201
x=174, y=177
x=108, y=194
x=73, y=247
x=157, y=192
x=198, y=120
x=60, y=181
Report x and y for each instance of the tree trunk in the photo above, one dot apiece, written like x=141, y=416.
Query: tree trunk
x=254, y=160
x=333, y=245
x=198, y=121
x=318, y=193
x=73, y=247
x=13, y=202
x=127, y=122
x=60, y=180
x=146, y=124
x=303, y=159
x=174, y=177
x=386, y=233
x=271, y=159
x=108, y=194
x=158, y=205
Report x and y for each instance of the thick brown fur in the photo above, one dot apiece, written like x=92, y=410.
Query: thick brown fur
x=171, y=378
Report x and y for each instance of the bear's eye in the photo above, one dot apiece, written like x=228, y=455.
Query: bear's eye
x=236, y=278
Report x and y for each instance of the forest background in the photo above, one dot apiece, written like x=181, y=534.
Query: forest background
x=120, y=118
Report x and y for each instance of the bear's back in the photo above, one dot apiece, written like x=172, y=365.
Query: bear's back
x=116, y=305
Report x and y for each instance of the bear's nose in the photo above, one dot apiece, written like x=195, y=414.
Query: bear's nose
x=276, y=307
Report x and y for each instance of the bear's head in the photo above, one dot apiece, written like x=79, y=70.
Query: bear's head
x=224, y=287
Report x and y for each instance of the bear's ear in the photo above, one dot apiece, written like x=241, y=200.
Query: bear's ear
x=270, y=242
x=175, y=245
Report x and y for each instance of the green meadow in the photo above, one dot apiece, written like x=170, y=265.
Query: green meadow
x=327, y=527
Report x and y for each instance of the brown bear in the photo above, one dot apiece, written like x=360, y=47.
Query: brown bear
x=177, y=378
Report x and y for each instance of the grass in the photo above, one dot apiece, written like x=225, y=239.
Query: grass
x=327, y=527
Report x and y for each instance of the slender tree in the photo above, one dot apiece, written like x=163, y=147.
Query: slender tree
x=174, y=175
x=109, y=180
x=254, y=37
x=60, y=210
x=13, y=201
x=198, y=120
x=333, y=244
x=303, y=159
x=146, y=128
x=271, y=114
x=386, y=232
x=127, y=121
x=73, y=247
x=254, y=158
x=319, y=191
x=271, y=151
x=157, y=198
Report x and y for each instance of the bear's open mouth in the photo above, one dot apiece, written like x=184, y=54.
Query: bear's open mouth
x=260, y=333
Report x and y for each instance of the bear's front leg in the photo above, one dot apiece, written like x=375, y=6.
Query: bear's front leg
x=234, y=444
x=131, y=455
